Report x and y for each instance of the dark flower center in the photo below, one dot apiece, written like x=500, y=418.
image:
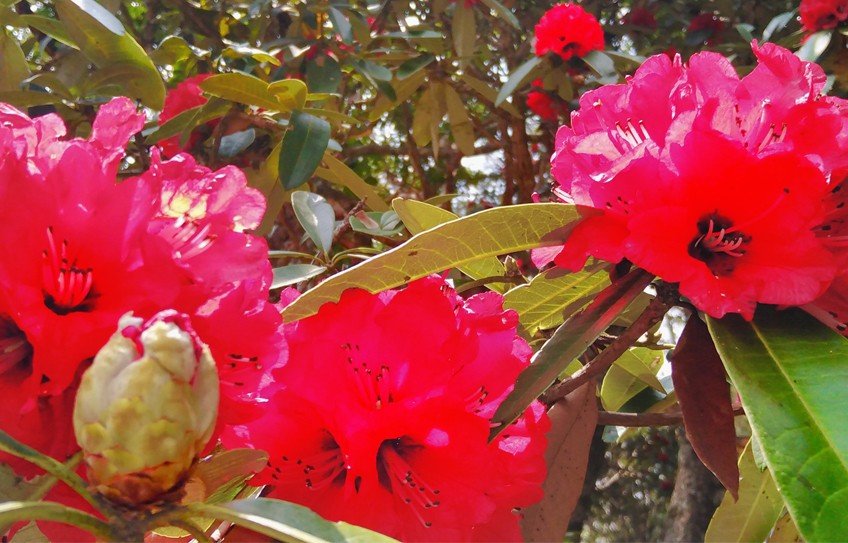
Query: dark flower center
x=397, y=476
x=14, y=347
x=317, y=471
x=67, y=287
x=718, y=244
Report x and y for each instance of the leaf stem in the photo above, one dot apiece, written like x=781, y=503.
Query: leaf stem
x=656, y=310
x=52, y=466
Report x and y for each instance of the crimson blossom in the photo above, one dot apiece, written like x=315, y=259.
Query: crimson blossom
x=823, y=14
x=186, y=95
x=548, y=107
x=80, y=248
x=385, y=416
x=730, y=187
x=567, y=30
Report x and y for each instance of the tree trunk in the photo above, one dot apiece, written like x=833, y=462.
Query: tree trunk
x=695, y=498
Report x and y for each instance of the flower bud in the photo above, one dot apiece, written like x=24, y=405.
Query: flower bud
x=146, y=408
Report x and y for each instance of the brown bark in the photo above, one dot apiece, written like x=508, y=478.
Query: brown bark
x=695, y=498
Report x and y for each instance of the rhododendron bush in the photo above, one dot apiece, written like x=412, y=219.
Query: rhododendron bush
x=417, y=270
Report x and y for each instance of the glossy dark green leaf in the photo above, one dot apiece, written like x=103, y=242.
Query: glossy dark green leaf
x=602, y=65
x=303, y=147
x=341, y=24
x=791, y=373
x=815, y=45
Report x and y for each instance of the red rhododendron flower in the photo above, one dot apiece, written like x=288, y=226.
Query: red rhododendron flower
x=375, y=430
x=708, y=25
x=568, y=30
x=823, y=14
x=641, y=16
x=548, y=107
x=186, y=95
x=723, y=186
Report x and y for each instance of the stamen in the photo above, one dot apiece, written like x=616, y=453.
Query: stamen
x=317, y=471
x=406, y=485
x=66, y=286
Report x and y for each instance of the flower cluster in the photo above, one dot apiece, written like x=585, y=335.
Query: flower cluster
x=568, y=30
x=730, y=187
x=385, y=416
x=823, y=14
x=80, y=248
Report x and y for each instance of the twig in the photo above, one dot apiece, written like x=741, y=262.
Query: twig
x=657, y=308
x=613, y=418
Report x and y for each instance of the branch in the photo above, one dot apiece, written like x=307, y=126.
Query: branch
x=614, y=418
x=656, y=310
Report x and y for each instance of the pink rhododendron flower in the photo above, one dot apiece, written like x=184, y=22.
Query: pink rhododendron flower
x=823, y=14
x=724, y=185
x=81, y=249
x=376, y=430
x=186, y=95
x=568, y=30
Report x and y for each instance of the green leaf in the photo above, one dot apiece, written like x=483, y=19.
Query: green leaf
x=339, y=173
x=102, y=38
x=189, y=119
x=464, y=31
x=777, y=24
x=541, y=302
x=323, y=73
x=815, y=45
x=460, y=122
x=492, y=232
x=523, y=74
x=245, y=51
x=291, y=93
x=294, y=274
x=288, y=522
x=404, y=89
x=11, y=512
x=341, y=24
x=52, y=27
x=23, y=99
x=752, y=516
x=568, y=342
x=29, y=534
x=631, y=374
x=316, y=216
x=490, y=94
x=374, y=223
x=15, y=67
x=791, y=374
x=745, y=30
x=52, y=466
x=303, y=147
x=413, y=65
x=503, y=12
x=420, y=216
x=601, y=64
x=236, y=142
x=241, y=88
